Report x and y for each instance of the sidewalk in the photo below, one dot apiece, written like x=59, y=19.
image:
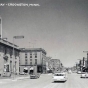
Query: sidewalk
x=13, y=78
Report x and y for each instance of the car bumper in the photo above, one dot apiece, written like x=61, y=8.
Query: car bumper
x=84, y=76
x=59, y=79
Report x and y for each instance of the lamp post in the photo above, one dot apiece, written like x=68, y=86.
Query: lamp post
x=15, y=37
x=76, y=66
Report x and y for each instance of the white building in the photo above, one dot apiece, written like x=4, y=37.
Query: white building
x=9, y=63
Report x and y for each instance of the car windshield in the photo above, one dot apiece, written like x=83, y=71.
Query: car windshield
x=59, y=75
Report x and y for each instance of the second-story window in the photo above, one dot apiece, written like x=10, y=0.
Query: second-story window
x=5, y=50
x=30, y=54
x=11, y=52
x=30, y=59
x=30, y=63
x=35, y=54
x=36, y=61
x=25, y=55
x=26, y=61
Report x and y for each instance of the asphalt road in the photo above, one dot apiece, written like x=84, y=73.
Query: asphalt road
x=45, y=81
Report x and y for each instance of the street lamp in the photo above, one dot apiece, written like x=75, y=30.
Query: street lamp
x=15, y=37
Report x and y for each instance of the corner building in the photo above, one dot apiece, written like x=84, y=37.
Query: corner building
x=32, y=57
x=9, y=63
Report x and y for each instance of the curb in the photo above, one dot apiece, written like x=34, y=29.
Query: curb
x=20, y=78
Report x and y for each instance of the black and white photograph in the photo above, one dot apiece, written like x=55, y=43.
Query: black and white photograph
x=43, y=43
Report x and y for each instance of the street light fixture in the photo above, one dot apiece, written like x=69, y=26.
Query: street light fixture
x=15, y=37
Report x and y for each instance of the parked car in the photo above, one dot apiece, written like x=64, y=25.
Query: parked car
x=74, y=71
x=84, y=75
x=69, y=72
x=6, y=74
x=60, y=77
x=34, y=76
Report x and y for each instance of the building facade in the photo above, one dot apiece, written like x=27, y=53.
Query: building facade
x=9, y=61
x=31, y=57
x=48, y=64
x=55, y=65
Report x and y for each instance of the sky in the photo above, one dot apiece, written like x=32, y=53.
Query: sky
x=58, y=26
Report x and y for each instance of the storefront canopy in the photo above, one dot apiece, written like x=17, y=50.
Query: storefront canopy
x=25, y=68
x=31, y=68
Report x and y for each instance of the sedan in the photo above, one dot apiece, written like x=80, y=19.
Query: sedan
x=35, y=76
x=60, y=77
x=84, y=75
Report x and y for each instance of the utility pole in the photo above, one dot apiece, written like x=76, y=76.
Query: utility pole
x=80, y=64
x=83, y=61
x=77, y=66
x=1, y=26
x=15, y=37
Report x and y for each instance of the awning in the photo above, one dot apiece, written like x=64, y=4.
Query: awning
x=26, y=68
x=31, y=68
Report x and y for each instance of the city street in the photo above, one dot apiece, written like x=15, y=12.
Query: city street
x=45, y=81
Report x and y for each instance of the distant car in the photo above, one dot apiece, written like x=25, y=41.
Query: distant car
x=79, y=72
x=69, y=71
x=84, y=75
x=60, y=77
x=74, y=71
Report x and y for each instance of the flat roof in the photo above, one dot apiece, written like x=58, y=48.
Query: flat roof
x=32, y=49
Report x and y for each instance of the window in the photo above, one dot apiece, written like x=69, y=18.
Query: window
x=30, y=54
x=16, y=53
x=30, y=59
x=35, y=54
x=1, y=48
x=11, y=52
x=25, y=61
x=35, y=61
x=15, y=65
x=25, y=55
x=59, y=74
x=7, y=68
x=11, y=66
x=30, y=63
x=5, y=50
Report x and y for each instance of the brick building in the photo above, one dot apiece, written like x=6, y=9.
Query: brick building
x=30, y=57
